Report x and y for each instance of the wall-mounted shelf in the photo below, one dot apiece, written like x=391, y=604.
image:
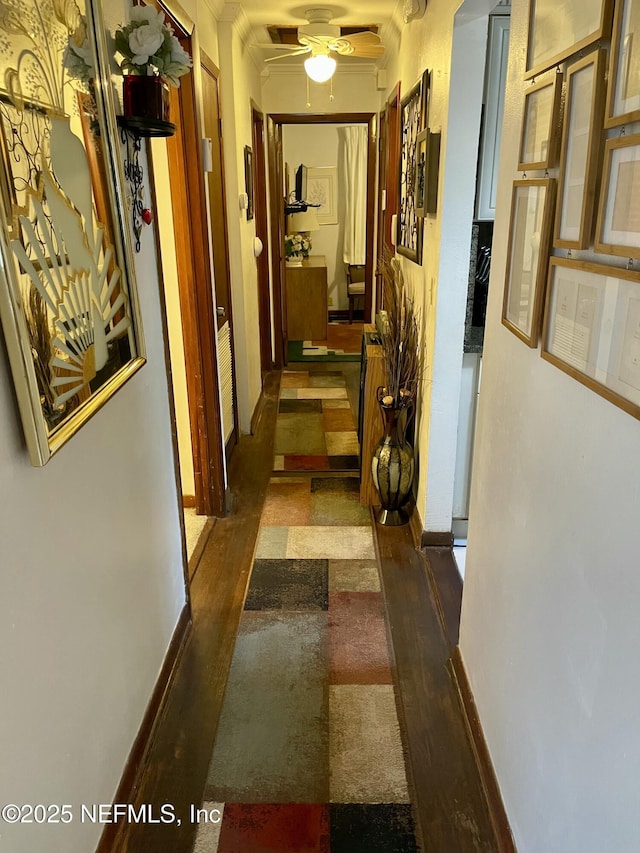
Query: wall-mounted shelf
x=145, y=127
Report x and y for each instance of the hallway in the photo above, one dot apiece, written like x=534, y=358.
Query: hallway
x=308, y=754
x=250, y=769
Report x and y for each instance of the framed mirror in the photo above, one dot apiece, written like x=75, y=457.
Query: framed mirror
x=68, y=301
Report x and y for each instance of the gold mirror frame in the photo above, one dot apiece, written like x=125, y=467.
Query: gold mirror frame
x=68, y=298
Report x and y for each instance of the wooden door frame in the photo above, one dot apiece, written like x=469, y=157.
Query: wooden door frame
x=211, y=68
x=275, y=122
x=196, y=289
x=389, y=153
x=262, y=231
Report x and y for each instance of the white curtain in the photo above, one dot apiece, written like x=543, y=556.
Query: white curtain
x=355, y=170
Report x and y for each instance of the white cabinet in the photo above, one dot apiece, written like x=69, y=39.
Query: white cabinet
x=496, y=75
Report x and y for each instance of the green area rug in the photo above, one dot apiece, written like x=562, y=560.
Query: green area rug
x=304, y=351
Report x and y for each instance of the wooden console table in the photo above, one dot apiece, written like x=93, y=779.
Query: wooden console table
x=306, y=291
x=372, y=428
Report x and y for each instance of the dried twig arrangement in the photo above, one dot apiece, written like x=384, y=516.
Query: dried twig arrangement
x=403, y=355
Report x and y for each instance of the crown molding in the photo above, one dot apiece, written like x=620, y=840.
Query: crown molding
x=215, y=6
x=233, y=13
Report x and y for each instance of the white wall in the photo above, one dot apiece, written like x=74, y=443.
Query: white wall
x=164, y=216
x=91, y=587
x=240, y=83
x=549, y=617
x=455, y=58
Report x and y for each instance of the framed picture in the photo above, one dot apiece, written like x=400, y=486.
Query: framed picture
x=560, y=28
x=532, y=204
x=540, y=131
x=419, y=191
x=592, y=328
x=623, y=91
x=618, y=227
x=322, y=189
x=68, y=302
x=427, y=172
x=581, y=148
x=248, y=179
x=412, y=121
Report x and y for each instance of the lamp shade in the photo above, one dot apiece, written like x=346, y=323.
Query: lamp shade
x=303, y=221
x=320, y=68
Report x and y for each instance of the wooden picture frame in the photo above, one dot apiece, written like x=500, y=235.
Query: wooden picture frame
x=248, y=180
x=618, y=226
x=580, y=152
x=68, y=302
x=412, y=122
x=322, y=189
x=419, y=190
x=560, y=28
x=540, y=124
x=427, y=172
x=532, y=205
x=623, y=88
x=592, y=328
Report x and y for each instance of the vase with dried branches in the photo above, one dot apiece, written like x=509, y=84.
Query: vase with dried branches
x=392, y=465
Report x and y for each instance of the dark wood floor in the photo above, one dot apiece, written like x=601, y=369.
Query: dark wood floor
x=449, y=798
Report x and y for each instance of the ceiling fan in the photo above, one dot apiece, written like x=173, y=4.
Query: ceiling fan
x=320, y=38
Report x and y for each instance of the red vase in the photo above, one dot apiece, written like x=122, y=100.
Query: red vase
x=145, y=98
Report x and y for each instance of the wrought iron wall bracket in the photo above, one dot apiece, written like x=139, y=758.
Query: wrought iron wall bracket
x=135, y=176
x=132, y=131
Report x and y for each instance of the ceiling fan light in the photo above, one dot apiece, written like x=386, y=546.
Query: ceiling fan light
x=320, y=68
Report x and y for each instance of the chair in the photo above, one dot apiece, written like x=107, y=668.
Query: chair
x=355, y=285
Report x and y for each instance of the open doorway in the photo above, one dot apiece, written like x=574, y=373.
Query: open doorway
x=495, y=71
x=183, y=246
x=315, y=142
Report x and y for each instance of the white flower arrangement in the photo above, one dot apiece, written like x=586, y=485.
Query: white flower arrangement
x=150, y=48
x=297, y=246
x=78, y=56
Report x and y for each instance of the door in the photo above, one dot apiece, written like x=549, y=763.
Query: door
x=262, y=261
x=388, y=180
x=218, y=225
x=197, y=310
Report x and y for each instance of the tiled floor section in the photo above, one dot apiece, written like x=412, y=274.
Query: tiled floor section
x=316, y=429
x=308, y=756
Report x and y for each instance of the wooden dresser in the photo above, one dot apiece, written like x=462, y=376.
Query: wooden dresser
x=307, y=308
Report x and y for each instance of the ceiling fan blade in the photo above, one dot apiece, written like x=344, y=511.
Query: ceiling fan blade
x=266, y=46
x=287, y=55
x=364, y=37
x=368, y=51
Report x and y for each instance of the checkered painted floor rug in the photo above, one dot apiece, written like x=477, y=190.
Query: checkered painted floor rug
x=308, y=756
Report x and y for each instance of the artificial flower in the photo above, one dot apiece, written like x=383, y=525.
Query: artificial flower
x=149, y=47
